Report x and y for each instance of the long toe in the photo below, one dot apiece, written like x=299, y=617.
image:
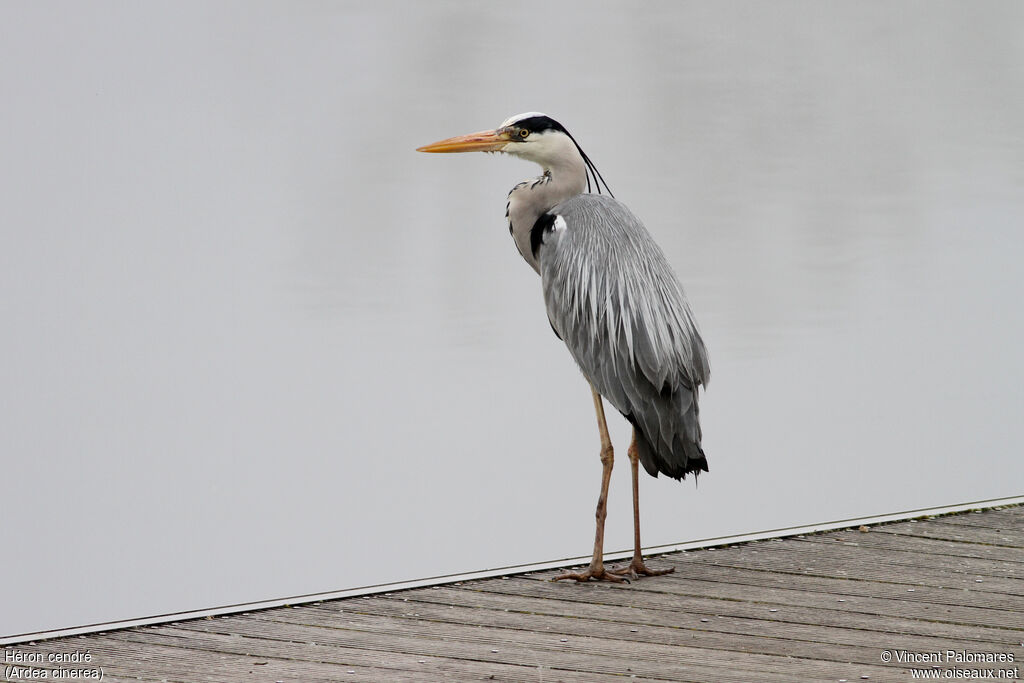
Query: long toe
x=591, y=574
x=637, y=568
x=628, y=570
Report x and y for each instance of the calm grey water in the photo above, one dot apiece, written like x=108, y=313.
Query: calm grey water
x=254, y=346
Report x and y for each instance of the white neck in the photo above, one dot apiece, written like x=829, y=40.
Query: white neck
x=565, y=176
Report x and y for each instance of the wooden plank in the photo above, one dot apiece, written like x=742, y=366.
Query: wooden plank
x=989, y=519
x=333, y=658
x=838, y=562
x=651, y=594
x=900, y=587
x=729, y=583
x=923, y=544
x=749, y=635
x=820, y=607
x=826, y=626
x=587, y=636
x=130, y=656
x=114, y=668
x=839, y=553
x=534, y=650
x=936, y=529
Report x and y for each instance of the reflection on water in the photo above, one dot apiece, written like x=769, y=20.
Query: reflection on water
x=256, y=347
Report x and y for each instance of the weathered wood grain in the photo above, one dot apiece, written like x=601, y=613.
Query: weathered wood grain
x=537, y=650
x=838, y=556
x=819, y=607
x=937, y=547
x=998, y=538
x=990, y=519
x=862, y=564
x=827, y=626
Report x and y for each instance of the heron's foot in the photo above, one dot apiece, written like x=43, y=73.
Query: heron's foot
x=637, y=568
x=592, y=573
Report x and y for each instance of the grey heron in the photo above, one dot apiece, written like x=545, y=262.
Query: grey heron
x=612, y=297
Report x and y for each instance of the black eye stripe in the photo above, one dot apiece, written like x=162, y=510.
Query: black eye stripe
x=539, y=124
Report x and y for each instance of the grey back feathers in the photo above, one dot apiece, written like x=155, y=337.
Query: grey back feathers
x=614, y=300
x=610, y=295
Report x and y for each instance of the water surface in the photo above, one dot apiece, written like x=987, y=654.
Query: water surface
x=254, y=346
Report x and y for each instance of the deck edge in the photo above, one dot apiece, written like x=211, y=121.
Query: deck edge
x=510, y=570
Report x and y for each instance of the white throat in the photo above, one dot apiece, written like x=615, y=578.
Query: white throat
x=564, y=177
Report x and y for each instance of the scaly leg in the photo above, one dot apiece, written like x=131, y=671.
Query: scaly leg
x=637, y=567
x=596, y=569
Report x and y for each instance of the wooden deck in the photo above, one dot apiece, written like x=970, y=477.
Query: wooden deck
x=823, y=607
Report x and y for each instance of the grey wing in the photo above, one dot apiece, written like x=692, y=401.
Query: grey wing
x=613, y=299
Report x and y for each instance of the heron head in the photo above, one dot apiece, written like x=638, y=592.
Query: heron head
x=532, y=136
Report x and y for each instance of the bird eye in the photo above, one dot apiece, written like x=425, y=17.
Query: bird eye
x=523, y=133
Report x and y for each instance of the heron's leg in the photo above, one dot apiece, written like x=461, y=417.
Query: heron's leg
x=637, y=566
x=596, y=569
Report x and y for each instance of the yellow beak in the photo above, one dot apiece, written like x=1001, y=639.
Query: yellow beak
x=484, y=141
